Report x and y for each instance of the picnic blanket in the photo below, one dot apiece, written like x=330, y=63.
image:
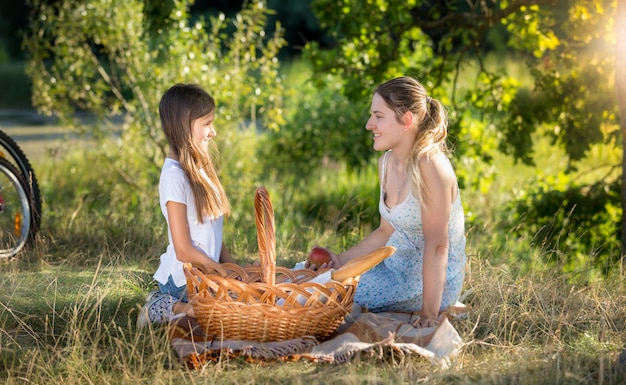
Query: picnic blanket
x=360, y=333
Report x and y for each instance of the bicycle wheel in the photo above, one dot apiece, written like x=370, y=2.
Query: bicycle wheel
x=16, y=226
x=10, y=151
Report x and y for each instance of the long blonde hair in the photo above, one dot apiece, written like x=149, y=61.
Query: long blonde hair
x=180, y=106
x=404, y=94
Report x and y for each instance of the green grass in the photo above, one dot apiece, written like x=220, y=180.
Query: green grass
x=68, y=305
x=69, y=323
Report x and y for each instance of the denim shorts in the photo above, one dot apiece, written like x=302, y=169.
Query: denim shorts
x=170, y=288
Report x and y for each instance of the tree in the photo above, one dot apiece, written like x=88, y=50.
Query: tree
x=567, y=46
x=431, y=40
x=620, y=87
x=113, y=59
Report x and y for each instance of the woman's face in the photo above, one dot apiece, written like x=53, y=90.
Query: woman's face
x=383, y=125
x=202, y=129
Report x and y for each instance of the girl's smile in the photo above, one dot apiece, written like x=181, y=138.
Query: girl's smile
x=202, y=129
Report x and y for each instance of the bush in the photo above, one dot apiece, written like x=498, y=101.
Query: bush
x=322, y=127
x=578, y=226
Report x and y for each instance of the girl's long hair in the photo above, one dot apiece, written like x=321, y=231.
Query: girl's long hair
x=180, y=106
x=405, y=94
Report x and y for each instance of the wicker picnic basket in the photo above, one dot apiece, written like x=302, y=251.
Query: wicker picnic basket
x=268, y=302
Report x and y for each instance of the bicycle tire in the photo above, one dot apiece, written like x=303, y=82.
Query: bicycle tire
x=16, y=215
x=19, y=160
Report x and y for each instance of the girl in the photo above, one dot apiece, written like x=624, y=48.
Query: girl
x=192, y=200
x=420, y=207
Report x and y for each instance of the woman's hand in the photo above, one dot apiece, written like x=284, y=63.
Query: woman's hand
x=335, y=262
x=426, y=320
x=425, y=323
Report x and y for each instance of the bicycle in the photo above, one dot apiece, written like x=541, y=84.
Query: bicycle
x=20, y=199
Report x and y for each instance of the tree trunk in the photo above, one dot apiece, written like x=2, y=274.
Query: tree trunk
x=620, y=87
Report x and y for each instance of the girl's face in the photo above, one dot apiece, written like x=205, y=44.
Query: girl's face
x=384, y=125
x=202, y=129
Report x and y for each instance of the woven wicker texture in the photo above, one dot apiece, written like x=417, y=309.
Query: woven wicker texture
x=268, y=302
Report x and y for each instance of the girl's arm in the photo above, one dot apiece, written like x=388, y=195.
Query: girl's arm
x=181, y=238
x=225, y=256
x=440, y=191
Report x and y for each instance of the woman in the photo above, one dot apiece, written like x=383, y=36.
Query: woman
x=420, y=207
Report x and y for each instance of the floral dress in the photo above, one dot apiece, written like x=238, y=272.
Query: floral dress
x=396, y=283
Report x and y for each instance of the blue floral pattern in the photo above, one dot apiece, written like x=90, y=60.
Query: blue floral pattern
x=396, y=283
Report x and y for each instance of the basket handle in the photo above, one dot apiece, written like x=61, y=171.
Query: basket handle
x=359, y=265
x=264, y=215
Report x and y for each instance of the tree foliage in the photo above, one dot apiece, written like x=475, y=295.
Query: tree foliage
x=566, y=46
x=112, y=59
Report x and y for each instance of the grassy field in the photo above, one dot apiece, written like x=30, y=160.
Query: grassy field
x=68, y=306
x=73, y=322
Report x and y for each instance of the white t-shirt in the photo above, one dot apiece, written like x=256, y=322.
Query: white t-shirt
x=207, y=237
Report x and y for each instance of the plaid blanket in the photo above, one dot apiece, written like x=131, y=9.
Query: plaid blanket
x=360, y=333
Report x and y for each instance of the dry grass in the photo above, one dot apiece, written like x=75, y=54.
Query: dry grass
x=68, y=307
x=67, y=324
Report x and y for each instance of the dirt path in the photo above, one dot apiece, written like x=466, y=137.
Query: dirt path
x=37, y=141
x=36, y=135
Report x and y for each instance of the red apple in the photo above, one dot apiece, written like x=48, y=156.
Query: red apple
x=319, y=256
